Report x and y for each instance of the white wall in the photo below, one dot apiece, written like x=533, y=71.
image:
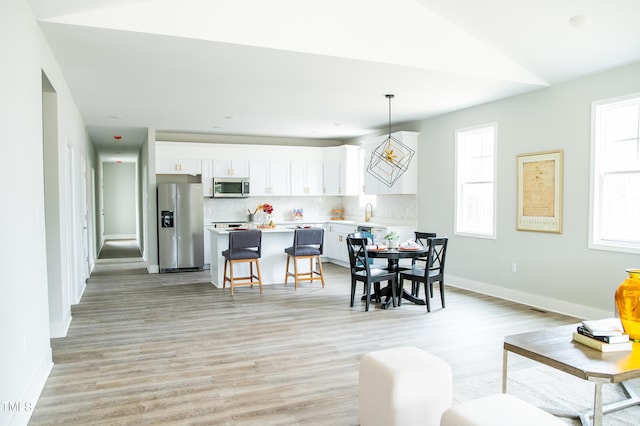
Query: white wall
x=554, y=271
x=25, y=353
x=119, y=192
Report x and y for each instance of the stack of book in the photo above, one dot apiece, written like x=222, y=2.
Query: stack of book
x=606, y=335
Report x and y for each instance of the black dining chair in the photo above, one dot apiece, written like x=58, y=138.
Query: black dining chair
x=362, y=271
x=370, y=240
x=307, y=244
x=432, y=272
x=422, y=239
x=244, y=247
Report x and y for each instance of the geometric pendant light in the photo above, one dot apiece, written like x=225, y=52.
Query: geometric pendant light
x=391, y=158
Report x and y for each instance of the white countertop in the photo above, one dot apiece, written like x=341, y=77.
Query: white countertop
x=381, y=223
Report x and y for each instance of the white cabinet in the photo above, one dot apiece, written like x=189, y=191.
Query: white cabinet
x=231, y=168
x=336, y=242
x=340, y=170
x=175, y=167
x=306, y=178
x=407, y=183
x=331, y=178
x=270, y=177
x=207, y=179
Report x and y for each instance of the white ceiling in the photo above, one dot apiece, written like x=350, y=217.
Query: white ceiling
x=317, y=69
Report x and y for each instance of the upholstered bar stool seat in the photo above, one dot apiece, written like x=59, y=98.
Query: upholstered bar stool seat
x=403, y=386
x=244, y=247
x=498, y=409
x=307, y=244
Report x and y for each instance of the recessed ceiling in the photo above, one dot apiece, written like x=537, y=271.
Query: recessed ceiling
x=286, y=68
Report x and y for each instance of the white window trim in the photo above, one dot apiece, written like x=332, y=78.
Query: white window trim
x=493, y=235
x=593, y=185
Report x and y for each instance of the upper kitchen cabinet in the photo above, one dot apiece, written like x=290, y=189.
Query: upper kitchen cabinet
x=270, y=177
x=407, y=183
x=174, y=158
x=177, y=167
x=207, y=180
x=231, y=168
x=340, y=170
x=306, y=178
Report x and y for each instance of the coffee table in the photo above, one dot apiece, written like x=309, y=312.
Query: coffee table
x=554, y=347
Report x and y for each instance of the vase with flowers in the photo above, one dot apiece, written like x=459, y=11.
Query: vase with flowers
x=392, y=239
x=263, y=213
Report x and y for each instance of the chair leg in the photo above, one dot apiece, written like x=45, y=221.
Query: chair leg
x=231, y=276
x=224, y=274
x=259, y=275
x=441, y=285
x=353, y=290
x=427, y=299
x=366, y=302
x=320, y=270
x=400, y=290
x=295, y=272
x=393, y=284
x=286, y=273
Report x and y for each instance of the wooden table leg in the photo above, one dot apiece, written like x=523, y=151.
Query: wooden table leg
x=597, y=400
x=505, y=358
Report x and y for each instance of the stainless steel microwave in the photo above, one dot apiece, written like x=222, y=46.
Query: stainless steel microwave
x=228, y=187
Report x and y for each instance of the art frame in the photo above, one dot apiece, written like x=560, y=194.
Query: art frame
x=540, y=182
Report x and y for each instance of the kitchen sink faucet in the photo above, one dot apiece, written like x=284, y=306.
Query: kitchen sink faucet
x=367, y=215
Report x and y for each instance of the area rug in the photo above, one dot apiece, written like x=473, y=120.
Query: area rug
x=549, y=388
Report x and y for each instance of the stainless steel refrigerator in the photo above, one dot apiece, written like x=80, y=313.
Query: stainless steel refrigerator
x=180, y=227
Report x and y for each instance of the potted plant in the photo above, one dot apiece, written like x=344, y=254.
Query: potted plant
x=392, y=239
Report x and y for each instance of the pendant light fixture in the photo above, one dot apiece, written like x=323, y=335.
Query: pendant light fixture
x=391, y=158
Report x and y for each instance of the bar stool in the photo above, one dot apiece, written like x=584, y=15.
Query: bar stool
x=244, y=247
x=307, y=244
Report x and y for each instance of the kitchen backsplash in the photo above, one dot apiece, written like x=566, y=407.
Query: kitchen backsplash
x=386, y=208
x=391, y=207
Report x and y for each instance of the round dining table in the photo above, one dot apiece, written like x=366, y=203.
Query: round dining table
x=393, y=257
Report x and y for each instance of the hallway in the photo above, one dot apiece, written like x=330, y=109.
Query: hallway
x=120, y=257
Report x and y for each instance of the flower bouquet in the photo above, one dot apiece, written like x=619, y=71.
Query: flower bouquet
x=265, y=211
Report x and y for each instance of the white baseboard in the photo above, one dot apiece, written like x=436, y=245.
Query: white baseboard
x=83, y=287
x=153, y=269
x=60, y=328
x=533, y=300
x=24, y=408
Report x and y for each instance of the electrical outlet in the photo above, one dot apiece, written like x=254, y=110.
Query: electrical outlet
x=514, y=267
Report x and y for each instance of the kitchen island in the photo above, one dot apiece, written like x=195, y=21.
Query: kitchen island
x=272, y=262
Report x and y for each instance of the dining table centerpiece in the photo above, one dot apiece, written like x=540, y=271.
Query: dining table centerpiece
x=392, y=239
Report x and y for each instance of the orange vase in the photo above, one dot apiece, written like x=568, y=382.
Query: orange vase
x=628, y=304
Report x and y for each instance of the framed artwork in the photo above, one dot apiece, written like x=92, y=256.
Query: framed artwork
x=540, y=192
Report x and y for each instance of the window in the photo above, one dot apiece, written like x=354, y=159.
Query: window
x=475, y=181
x=615, y=175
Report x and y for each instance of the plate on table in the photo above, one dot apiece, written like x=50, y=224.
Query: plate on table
x=376, y=248
x=410, y=248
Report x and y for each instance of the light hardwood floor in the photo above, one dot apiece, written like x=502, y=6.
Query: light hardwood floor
x=173, y=349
